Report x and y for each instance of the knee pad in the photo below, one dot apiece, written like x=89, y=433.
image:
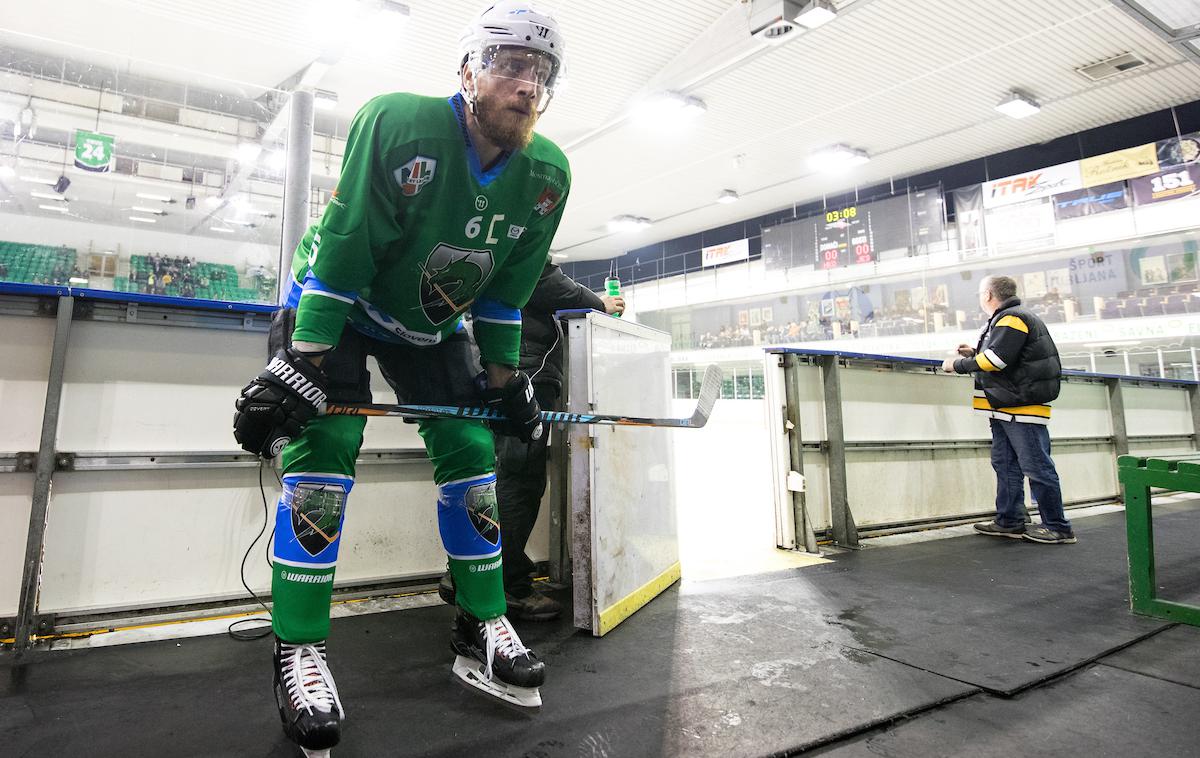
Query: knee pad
x=468, y=518
x=308, y=520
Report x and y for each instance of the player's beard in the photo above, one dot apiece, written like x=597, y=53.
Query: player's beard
x=504, y=128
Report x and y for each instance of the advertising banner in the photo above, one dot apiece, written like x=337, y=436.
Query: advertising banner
x=738, y=250
x=1032, y=185
x=1122, y=164
x=93, y=152
x=968, y=215
x=1091, y=201
x=1166, y=185
x=1178, y=151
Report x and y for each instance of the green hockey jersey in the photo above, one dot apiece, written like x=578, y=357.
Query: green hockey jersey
x=417, y=232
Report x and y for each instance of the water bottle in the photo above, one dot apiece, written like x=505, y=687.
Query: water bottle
x=612, y=288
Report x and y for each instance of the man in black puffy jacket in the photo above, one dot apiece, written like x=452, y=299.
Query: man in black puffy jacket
x=1017, y=374
x=521, y=466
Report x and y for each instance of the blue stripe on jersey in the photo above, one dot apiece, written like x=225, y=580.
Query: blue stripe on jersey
x=294, y=291
x=486, y=309
x=483, y=177
x=313, y=284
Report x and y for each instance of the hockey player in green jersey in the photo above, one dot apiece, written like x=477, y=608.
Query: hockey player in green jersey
x=442, y=207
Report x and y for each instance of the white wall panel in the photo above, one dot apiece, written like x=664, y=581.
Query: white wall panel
x=25, y=344
x=1156, y=410
x=16, y=497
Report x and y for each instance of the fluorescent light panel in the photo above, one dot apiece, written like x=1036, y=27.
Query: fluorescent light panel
x=47, y=196
x=59, y=208
x=143, y=220
x=626, y=223
x=152, y=196
x=665, y=110
x=837, y=158
x=144, y=209
x=815, y=13
x=1018, y=105
x=727, y=196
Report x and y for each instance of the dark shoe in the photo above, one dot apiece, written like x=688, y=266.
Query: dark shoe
x=1048, y=536
x=993, y=529
x=533, y=607
x=446, y=589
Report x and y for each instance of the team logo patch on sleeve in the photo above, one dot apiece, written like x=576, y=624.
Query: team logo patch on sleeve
x=415, y=174
x=547, y=201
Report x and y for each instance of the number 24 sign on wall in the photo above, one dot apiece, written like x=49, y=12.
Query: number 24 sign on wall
x=93, y=152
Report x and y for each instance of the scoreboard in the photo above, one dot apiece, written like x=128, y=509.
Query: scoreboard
x=855, y=234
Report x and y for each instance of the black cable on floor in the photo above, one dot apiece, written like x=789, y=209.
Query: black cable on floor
x=256, y=632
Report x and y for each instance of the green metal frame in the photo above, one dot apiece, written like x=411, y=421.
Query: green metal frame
x=1138, y=475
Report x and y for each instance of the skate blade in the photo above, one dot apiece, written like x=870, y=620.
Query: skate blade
x=471, y=672
x=315, y=753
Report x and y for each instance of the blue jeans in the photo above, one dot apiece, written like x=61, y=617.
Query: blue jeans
x=1019, y=451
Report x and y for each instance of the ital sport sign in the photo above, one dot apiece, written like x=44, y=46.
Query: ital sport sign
x=93, y=152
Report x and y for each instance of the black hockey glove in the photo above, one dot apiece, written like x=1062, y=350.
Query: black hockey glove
x=515, y=400
x=276, y=404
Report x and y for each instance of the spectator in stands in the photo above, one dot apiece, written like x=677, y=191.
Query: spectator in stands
x=1017, y=374
x=3, y=271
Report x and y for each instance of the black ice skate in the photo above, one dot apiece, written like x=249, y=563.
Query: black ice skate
x=308, y=701
x=491, y=658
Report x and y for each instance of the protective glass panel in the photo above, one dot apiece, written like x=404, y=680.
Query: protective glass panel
x=122, y=176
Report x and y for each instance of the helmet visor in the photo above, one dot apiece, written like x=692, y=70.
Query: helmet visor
x=522, y=64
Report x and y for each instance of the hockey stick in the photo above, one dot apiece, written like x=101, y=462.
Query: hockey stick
x=710, y=389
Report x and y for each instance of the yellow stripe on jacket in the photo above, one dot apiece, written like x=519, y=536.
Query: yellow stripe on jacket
x=1014, y=323
x=1035, y=411
x=983, y=363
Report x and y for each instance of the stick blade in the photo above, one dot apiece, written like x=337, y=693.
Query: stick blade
x=710, y=390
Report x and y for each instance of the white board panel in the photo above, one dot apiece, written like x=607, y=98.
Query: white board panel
x=1156, y=410
x=25, y=344
x=626, y=491
x=16, y=499
x=121, y=539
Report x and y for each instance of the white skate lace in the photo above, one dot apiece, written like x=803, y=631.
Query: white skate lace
x=503, y=639
x=308, y=679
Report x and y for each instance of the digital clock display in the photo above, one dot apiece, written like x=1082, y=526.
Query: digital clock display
x=855, y=234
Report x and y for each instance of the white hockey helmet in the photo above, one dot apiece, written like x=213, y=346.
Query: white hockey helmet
x=514, y=39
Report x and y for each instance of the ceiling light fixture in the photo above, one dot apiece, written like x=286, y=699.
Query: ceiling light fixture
x=627, y=223
x=222, y=229
x=1018, y=105
x=837, y=158
x=152, y=196
x=47, y=196
x=59, y=208
x=728, y=196
x=33, y=179
x=666, y=110
x=143, y=220
x=144, y=209
x=815, y=13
